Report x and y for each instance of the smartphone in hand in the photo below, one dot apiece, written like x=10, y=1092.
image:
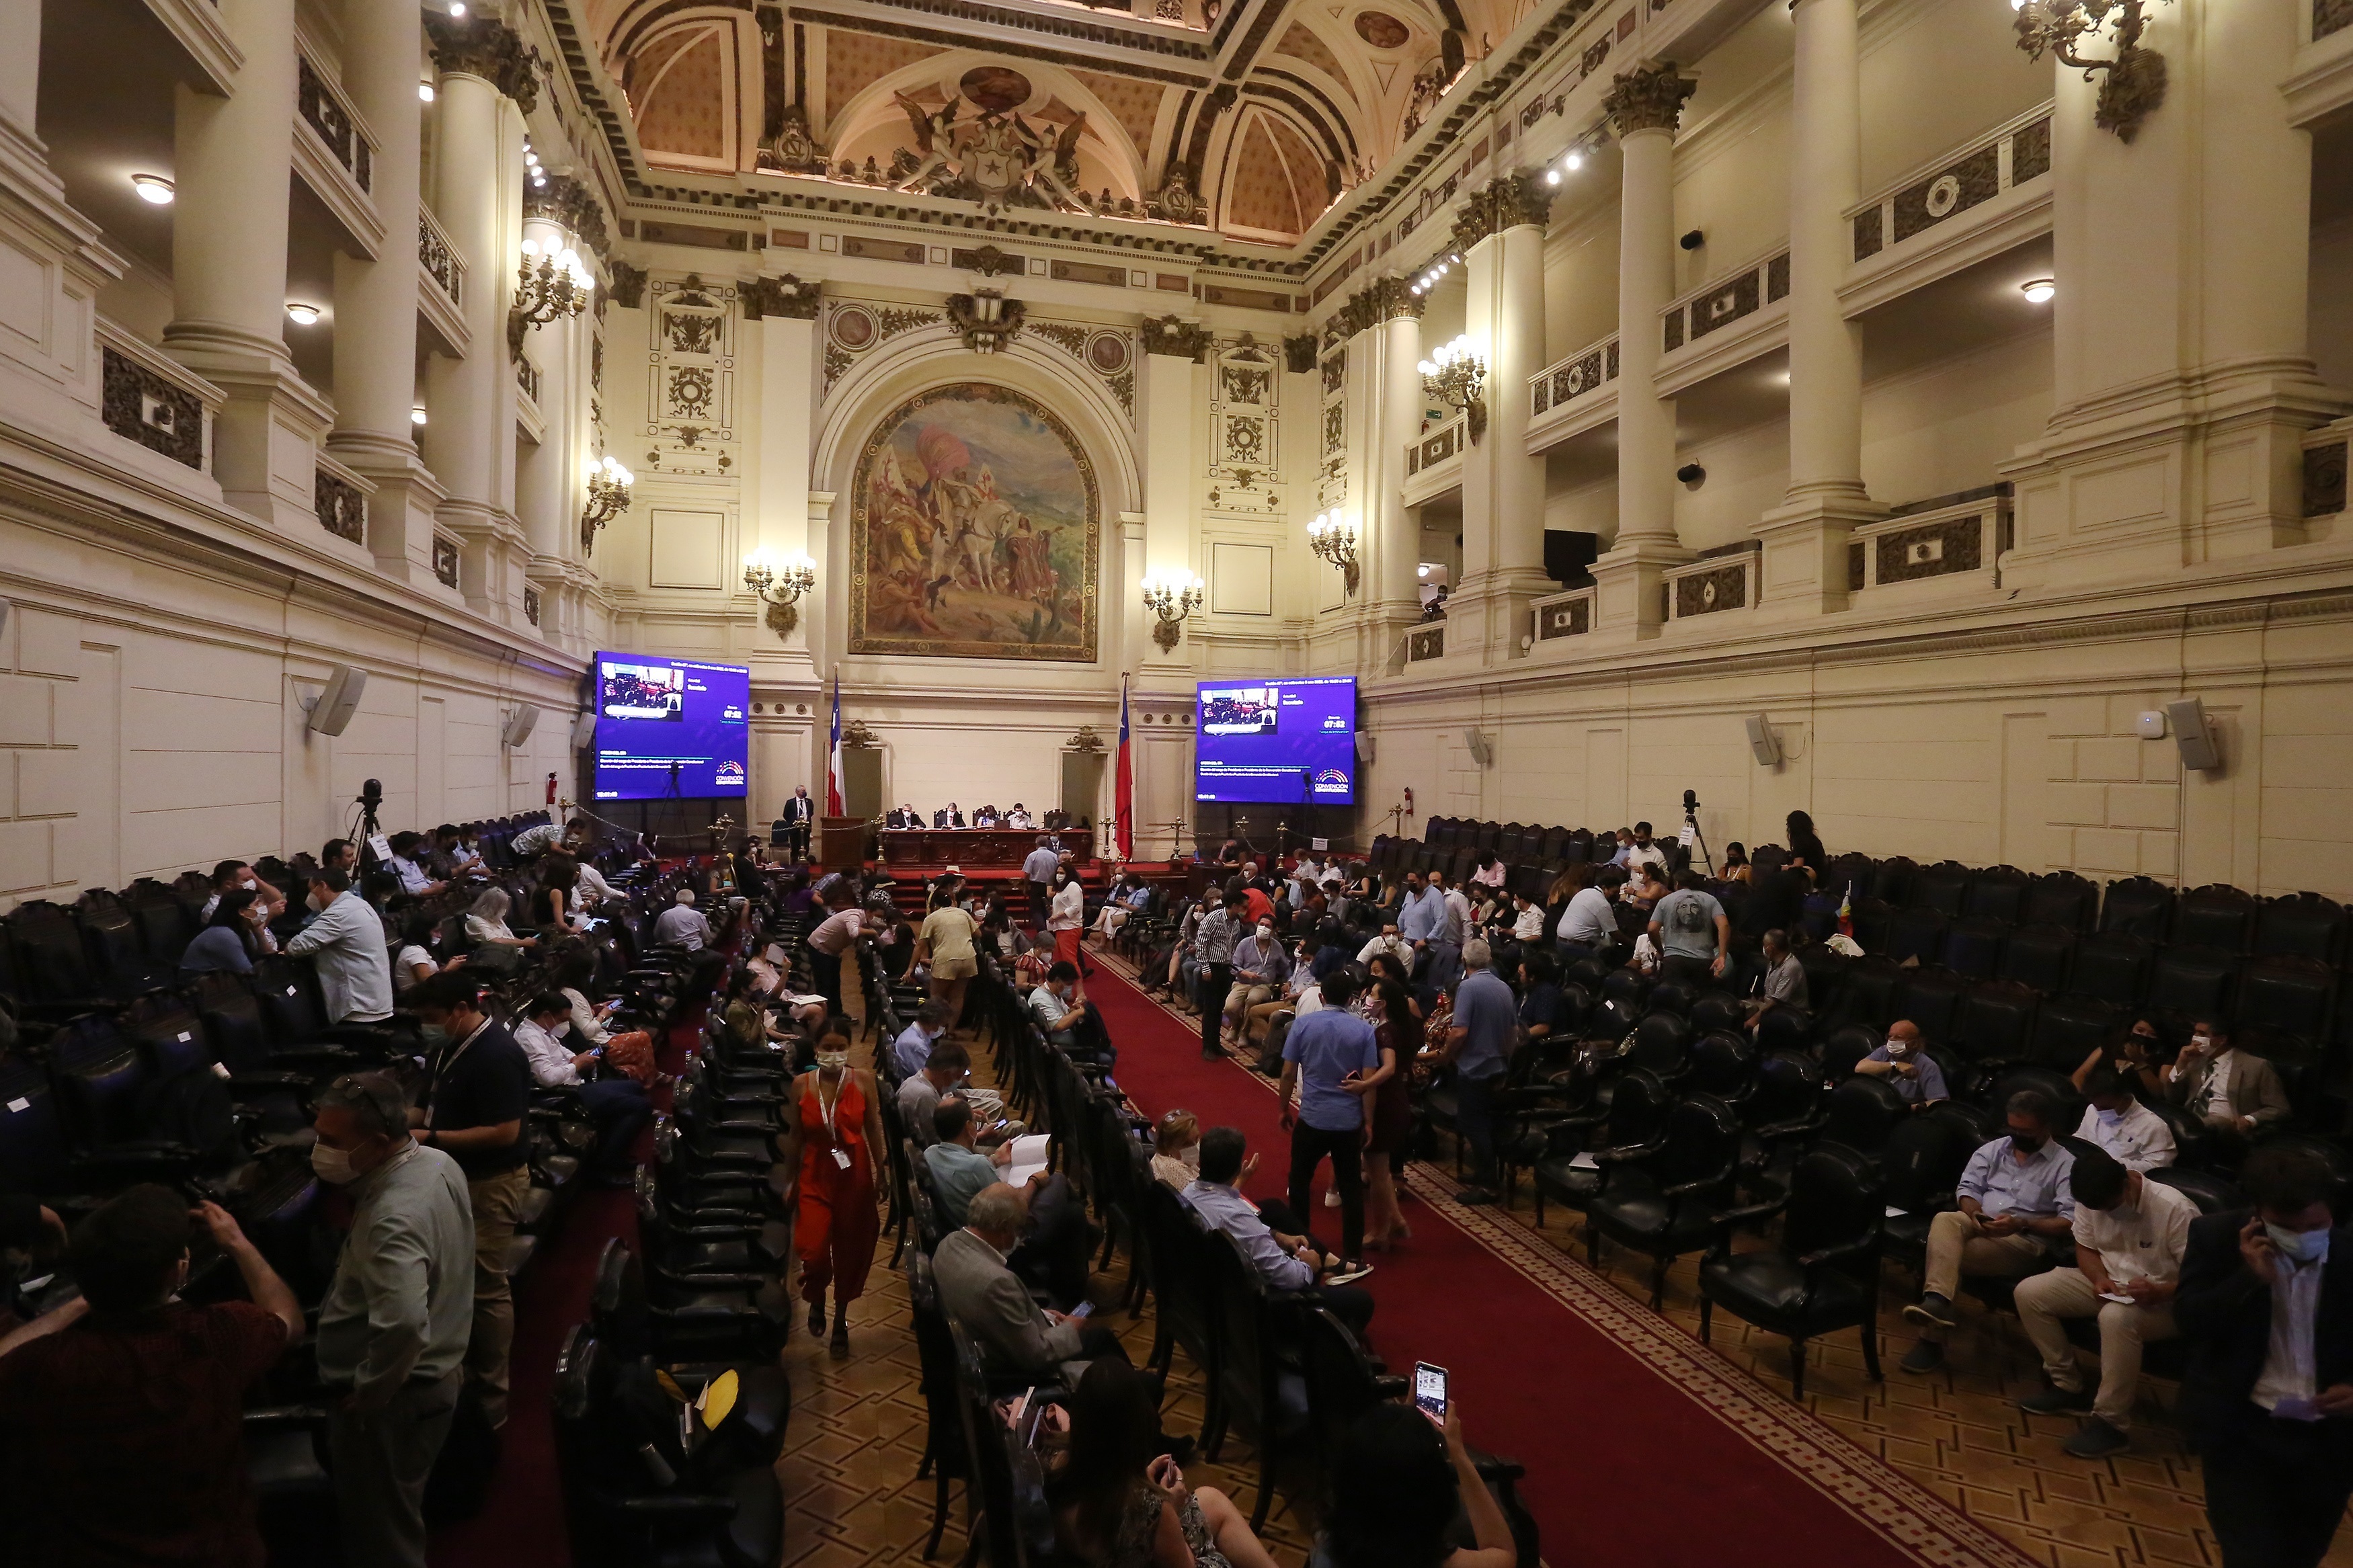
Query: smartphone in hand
x=1078, y=1312
x=1430, y=1390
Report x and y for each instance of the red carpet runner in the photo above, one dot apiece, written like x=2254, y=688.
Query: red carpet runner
x=1643, y=1447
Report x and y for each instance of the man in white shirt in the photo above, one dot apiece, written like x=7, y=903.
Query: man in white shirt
x=592, y=888
x=1589, y=924
x=2130, y=1233
x=2266, y=1299
x=2135, y=1136
x=1643, y=852
x=683, y=924
x=346, y=946
x=1390, y=943
x=616, y=1106
x=238, y=874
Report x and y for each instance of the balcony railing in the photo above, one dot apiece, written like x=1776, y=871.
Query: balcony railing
x=527, y=377
x=2323, y=468
x=1561, y=382
x=1720, y=580
x=1951, y=536
x=439, y=258
x=341, y=497
x=324, y=113
x=1440, y=445
x=1568, y=615
x=155, y=401
x=1426, y=642
x=2007, y=155
x=1725, y=301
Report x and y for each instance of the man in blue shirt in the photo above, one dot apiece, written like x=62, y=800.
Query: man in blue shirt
x=1333, y=1059
x=1479, y=1044
x=1421, y=920
x=1917, y=1078
x=1038, y=869
x=2016, y=1208
x=913, y=1049
x=1274, y=1240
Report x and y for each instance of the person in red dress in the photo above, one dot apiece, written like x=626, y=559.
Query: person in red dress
x=832, y=1145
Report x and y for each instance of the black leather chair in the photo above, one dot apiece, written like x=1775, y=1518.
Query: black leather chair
x=1259, y=1370
x=1823, y=1276
x=1920, y=1165
x=1663, y=1202
x=2139, y=906
x=1635, y=1118
x=1862, y=1114
x=2301, y=925
x=2060, y=899
x=945, y=1459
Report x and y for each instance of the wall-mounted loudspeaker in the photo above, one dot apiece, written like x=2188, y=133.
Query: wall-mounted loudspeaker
x=1763, y=741
x=1363, y=747
x=519, y=725
x=584, y=730
x=331, y=709
x=2192, y=733
x=1481, y=752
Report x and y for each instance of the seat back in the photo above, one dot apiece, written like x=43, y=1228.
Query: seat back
x=1861, y=1112
x=1637, y=1109
x=1995, y=1023
x=2301, y=925
x=100, y=1079
x=1785, y=1029
x=935, y=1360
x=1663, y=1043
x=2060, y=898
x=1716, y=1011
x=2038, y=955
x=1180, y=1274
x=2139, y=906
x=1996, y=892
x=1723, y=1064
x=1943, y=886
x=1867, y=992
x=231, y=1016
x=1836, y=1200
x=1672, y=997
x=1702, y=1145
x=2295, y=996
x=51, y=962
x=1931, y=997
x=1891, y=880
x=168, y=1030
x=1973, y=946
x=1788, y=1090
x=1923, y=1159
x=34, y=1157
x=2198, y=982
x=2213, y=1194
x=1844, y=1046
x=2069, y=1029
x=1917, y=935
x=2113, y=965
x=165, y=924
x=118, y=956
x=2216, y=916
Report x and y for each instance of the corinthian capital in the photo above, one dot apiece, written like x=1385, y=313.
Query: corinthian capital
x=1648, y=98
x=487, y=47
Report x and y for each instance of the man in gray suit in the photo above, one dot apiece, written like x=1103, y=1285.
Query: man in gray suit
x=1020, y=1342
x=2240, y=1096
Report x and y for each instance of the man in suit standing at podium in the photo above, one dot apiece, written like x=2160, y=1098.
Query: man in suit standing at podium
x=800, y=816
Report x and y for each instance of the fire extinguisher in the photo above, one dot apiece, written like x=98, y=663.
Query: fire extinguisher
x=551, y=789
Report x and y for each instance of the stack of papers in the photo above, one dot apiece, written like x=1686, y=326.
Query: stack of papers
x=1029, y=1157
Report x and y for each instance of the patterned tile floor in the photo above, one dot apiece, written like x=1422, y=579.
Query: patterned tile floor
x=857, y=1429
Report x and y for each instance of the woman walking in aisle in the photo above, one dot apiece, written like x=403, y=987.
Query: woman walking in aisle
x=831, y=1146
x=1388, y=1121
x=1066, y=917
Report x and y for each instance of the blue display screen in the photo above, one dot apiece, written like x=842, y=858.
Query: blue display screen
x=670, y=728
x=1283, y=741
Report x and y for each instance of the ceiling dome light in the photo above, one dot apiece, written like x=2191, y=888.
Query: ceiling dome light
x=2038, y=291
x=424, y=92
x=1577, y=159
x=458, y=10
x=1553, y=178
x=301, y=315
x=153, y=189
x=417, y=415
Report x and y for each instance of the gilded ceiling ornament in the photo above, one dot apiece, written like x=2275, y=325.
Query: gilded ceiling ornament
x=793, y=149
x=1648, y=98
x=996, y=159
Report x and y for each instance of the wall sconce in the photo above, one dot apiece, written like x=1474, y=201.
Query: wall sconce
x=986, y=318
x=780, y=583
x=1336, y=541
x=608, y=498
x=557, y=288
x=1455, y=376
x=1172, y=597
x=2135, y=84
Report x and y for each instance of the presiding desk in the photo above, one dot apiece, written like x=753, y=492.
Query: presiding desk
x=976, y=848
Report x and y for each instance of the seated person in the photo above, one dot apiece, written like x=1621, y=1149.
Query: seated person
x=2117, y=1123
x=2238, y=1095
x=1917, y=1081
x=232, y=940
x=1588, y=926
x=920, y=1093
x=1390, y=941
x=1397, y=1489
x=986, y=817
x=1177, y=1149
x=1543, y=1012
x=1783, y=983
x=1020, y=1342
x=2130, y=1234
x=122, y=1424
x=1119, y=1498
x=1062, y=1010
x=1121, y=904
x=1259, y=965
x=683, y=924
x=2138, y=1059
x=1259, y=1017
x=917, y=1042
x=486, y=922
x=2015, y=1209
x=1272, y=1237
x=1029, y=969
x=1056, y=1239
x=616, y=1106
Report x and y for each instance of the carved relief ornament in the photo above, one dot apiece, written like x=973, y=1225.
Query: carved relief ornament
x=1499, y=204
x=1384, y=300
x=786, y=298
x=1176, y=337
x=1648, y=98
x=487, y=47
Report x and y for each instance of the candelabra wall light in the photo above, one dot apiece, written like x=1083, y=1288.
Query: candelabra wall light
x=1172, y=597
x=1334, y=539
x=608, y=498
x=557, y=288
x=2136, y=82
x=985, y=318
x=780, y=583
x=1456, y=376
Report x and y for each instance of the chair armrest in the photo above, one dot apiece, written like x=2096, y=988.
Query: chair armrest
x=1388, y=1385
x=1631, y=1151
x=266, y=1083
x=1813, y=1260
x=683, y=1507
x=1686, y=1189
x=1727, y=1220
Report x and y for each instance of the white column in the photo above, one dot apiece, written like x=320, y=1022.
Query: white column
x=1502, y=239
x=781, y=524
x=1805, y=539
x=20, y=80
x=543, y=474
x=232, y=162
x=1392, y=588
x=375, y=302
x=1171, y=397
x=1645, y=104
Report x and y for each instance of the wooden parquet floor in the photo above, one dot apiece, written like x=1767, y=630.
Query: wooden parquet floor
x=858, y=1429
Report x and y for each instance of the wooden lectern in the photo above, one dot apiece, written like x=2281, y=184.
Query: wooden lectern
x=841, y=842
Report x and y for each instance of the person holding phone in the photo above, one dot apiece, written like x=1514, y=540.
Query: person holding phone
x=616, y=1106
x=1399, y=1477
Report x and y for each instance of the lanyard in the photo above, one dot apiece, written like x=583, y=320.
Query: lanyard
x=449, y=1059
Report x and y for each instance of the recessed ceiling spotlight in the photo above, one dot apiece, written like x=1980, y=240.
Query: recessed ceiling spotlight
x=457, y=9
x=1577, y=159
x=2038, y=291
x=424, y=92
x=301, y=315
x=1553, y=178
x=153, y=189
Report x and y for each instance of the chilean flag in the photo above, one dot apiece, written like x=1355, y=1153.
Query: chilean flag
x=833, y=757
x=1124, y=783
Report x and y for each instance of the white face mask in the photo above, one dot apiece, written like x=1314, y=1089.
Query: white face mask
x=251, y=885
x=1191, y=1157
x=315, y=904
x=2201, y=1042
x=2303, y=1245
x=331, y=1165
x=560, y=1028
x=834, y=1061
x=1897, y=1048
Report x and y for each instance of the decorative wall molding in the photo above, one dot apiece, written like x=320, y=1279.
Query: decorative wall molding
x=787, y=298
x=1176, y=337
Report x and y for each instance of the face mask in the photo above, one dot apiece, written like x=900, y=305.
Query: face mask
x=313, y=902
x=834, y=1061
x=1897, y=1048
x=560, y=1029
x=2303, y=1245
x=2201, y=1042
x=1264, y=932
x=331, y=1165
x=250, y=885
x=432, y=1035
x=1191, y=1157
x=2025, y=1144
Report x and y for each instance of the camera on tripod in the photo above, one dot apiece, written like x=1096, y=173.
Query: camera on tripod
x=1692, y=835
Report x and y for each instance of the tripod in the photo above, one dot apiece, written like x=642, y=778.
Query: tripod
x=1690, y=821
